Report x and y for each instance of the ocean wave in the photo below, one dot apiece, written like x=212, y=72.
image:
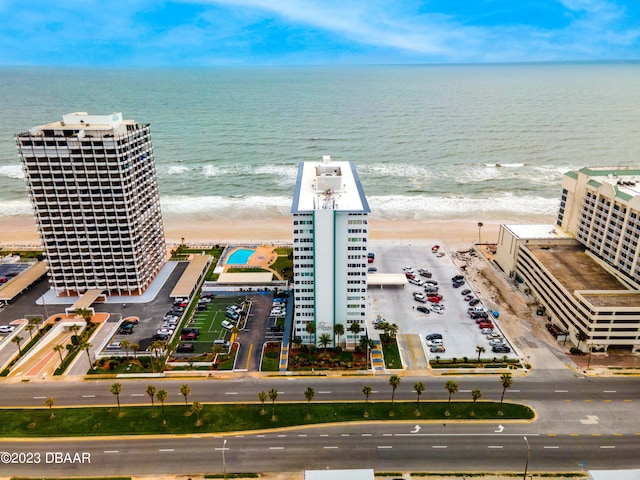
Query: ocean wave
x=15, y=207
x=11, y=171
x=505, y=165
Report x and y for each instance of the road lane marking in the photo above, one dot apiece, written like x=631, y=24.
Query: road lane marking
x=514, y=391
x=231, y=393
x=39, y=398
x=325, y=392
x=439, y=446
x=282, y=435
x=276, y=448
x=461, y=434
x=249, y=356
x=344, y=434
x=608, y=391
x=324, y=435
x=494, y=446
x=88, y=396
x=366, y=435
x=330, y=448
x=607, y=446
x=260, y=436
x=166, y=450
x=385, y=446
x=239, y=436
x=137, y=394
x=302, y=435
x=391, y=434
x=111, y=451
x=551, y=446
x=561, y=391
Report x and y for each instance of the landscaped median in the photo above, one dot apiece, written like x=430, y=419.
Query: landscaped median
x=219, y=418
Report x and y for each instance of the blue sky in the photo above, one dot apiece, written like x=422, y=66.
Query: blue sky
x=315, y=32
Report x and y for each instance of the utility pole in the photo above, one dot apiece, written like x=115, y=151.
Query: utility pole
x=526, y=465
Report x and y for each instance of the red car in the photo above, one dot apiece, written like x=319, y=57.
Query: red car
x=485, y=325
x=435, y=299
x=189, y=336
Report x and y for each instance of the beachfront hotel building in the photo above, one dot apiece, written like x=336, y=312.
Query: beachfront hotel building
x=92, y=183
x=584, y=270
x=330, y=234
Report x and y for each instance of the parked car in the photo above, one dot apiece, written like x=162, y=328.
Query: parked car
x=185, y=348
x=189, y=336
x=496, y=341
x=457, y=278
x=419, y=297
x=501, y=349
x=485, y=325
x=474, y=302
x=433, y=283
x=434, y=298
x=7, y=328
x=416, y=281
x=438, y=308
x=431, y=336
x=423, y=309
x=227, y=324
x=164, y=331
x=457, y=284
x=435, y=341
x=114, y=346
x=408, y=268
x=493, y=335
x=486, y=331
x=409, y=275
x=191, y=330
x=468, y=298
x=466, y=291
x=437, y=349
x=372, y=269
x=162, y=337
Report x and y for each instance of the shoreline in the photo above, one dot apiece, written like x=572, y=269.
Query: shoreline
x=21, y=230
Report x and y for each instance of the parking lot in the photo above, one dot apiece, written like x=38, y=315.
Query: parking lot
x=461, y=334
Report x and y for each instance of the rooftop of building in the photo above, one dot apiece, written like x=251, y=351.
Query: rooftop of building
x=537, y=232
x=329, y=185
x=624, y=180
x=578, y=271
x=82, y=122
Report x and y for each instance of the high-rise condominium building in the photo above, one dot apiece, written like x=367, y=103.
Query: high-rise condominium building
x=601, y=208
x=93, y=186
x=330, y=233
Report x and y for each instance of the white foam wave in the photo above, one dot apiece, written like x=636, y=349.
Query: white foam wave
x=11, y=171
x=15, y=207
x=389, y=207
x=177, y=169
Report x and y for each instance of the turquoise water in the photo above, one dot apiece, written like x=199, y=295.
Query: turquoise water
x=429, y=142
x=240, y=256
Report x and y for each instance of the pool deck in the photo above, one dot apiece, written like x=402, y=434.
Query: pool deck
x=263, y=257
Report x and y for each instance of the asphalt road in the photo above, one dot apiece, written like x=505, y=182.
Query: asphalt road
x=580, y=420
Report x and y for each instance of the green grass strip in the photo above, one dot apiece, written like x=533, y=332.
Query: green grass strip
x=217, y=418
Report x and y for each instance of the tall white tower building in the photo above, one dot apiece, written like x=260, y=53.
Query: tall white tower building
x=93, y=186
x=330, y=233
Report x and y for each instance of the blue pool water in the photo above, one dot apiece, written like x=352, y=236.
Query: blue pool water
x=240, y=256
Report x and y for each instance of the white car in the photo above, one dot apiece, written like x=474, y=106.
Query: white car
x=7, y=328
x=486, y=331
x=496, y=341
x=114, y=346
x=435, y=341
x=419, y=297
x=168, y=326
x=408, y=269
x=416, y=281
x=436, y=307
x=164, y=331
x=494, y=335
x=227, y=324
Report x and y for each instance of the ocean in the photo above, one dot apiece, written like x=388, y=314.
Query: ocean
x=455, y=142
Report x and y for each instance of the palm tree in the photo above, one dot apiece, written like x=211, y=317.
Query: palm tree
x=480, y=225
x=311, y=330
x=161, y=395
x=324, y=340
x=475, y=394
x=85, y=313
x=393, y=330
x=338, y=331
x=116, y=388
x=185, y=390
x=273, y=396
x=17, y=339
x=49, y=403
x=394, y=381
x=156, y=347
x=59, y=349
x=75, y=328
x=581, y=337
x=86, y=346
x=134, y=348
x=125, y=344
x=262, y=396
x=366, y=391
x=419, y=387
x=506, y=381
x=451, y=387
x=309, y=393
x=297, y=341
x=30, y=328
x=480, y=349
x=151, y=391
x=196, y=407
x=355, y=329
x=367, y=344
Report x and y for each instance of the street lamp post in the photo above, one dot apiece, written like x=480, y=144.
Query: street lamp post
x=224, y=463
x=526, y=465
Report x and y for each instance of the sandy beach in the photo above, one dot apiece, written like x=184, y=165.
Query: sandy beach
x=16, y=231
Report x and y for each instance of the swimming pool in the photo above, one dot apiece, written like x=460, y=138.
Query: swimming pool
x=240, y=256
